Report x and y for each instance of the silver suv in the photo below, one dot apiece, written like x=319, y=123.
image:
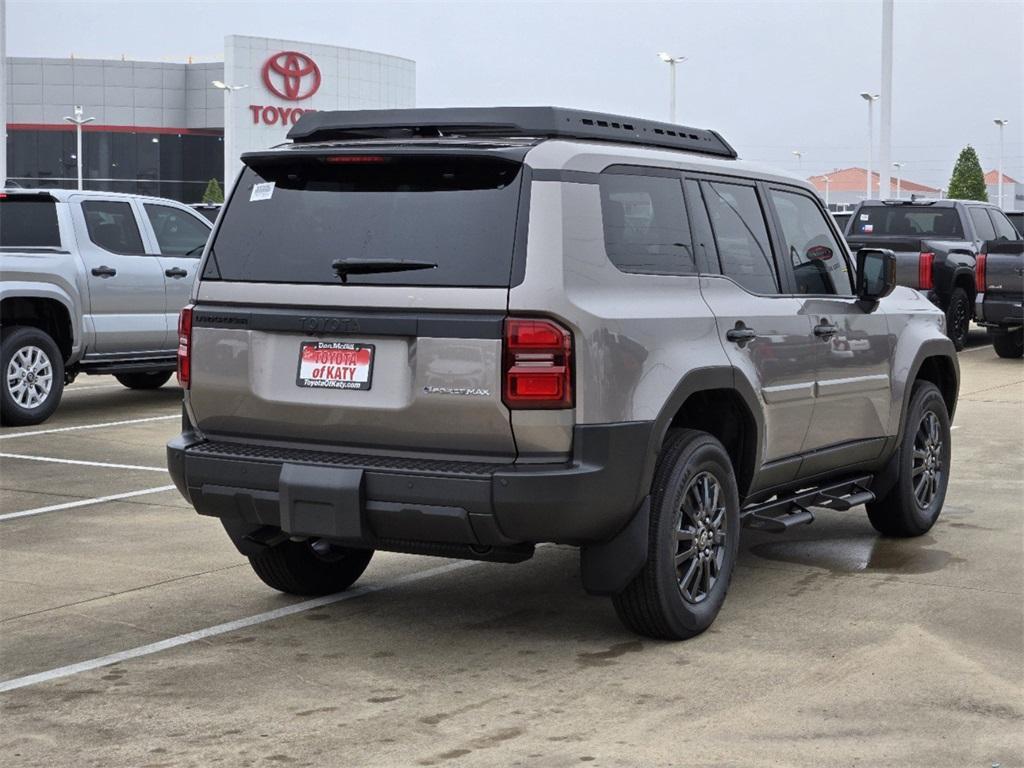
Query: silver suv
x=463, y=332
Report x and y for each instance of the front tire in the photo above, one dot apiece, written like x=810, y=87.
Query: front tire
x=144, y=380
x=913, y=504
x=311, y=567
x=32, y=367
x=1010, y=344
x=958, y=318
x=693, y=541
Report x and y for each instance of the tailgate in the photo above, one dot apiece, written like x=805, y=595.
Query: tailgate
x=285, y=348
x=1004, y=283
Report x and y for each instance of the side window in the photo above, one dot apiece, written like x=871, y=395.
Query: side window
x=112, y=226
x=177, y=233
x=741, y=236
x=1004, y=229
x=819, y=265
x=645, y=225
x=982, y=224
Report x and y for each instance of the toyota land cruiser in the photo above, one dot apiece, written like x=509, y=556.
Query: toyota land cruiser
x=463, y=332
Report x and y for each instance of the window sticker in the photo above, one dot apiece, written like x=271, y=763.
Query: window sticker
x=864, y=217
x=869, y=228
x=262, y=191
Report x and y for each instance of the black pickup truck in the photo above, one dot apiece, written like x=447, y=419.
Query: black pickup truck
x=999, y=305
x=937, y=244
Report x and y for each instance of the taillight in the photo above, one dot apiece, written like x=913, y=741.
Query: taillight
x=979, y=272
x=537, y=364
x=924, y=270
x=185, y=346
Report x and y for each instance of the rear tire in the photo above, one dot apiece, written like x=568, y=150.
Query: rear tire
x=32, y=370
x=958, y=318
x=144, y=380
x=310, y=567
x=693, y=541
x=913, y=504
x=1010, y=344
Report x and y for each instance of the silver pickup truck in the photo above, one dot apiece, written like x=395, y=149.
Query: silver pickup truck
x=90, y=282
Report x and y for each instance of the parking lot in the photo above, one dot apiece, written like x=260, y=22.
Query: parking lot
x=134, y=634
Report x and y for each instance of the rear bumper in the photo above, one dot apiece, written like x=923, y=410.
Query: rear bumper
x=999, y=310
x=415, y=501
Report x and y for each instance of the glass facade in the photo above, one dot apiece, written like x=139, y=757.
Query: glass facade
x=165, y=164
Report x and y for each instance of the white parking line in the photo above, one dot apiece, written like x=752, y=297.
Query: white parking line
x=230, y=626
x=977, y=349
x=88, y=426
x=55, y=460
x=83, y=502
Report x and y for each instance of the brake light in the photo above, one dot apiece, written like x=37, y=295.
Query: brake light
x=354, y=159
x=979, y=272
x=185, y=347
x=924, y=270
x=537, y=365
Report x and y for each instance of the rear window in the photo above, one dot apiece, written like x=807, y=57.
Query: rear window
x=907, y=221
x=288, y=221
x=28, y=223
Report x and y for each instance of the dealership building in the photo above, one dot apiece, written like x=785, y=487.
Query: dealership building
x=164, y=128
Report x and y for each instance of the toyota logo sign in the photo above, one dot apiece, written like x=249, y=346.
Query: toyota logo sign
x=291, y=75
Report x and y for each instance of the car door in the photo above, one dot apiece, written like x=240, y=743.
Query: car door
x=852, y=344
x=126, y=287
x=765, y=333
x=179, y=237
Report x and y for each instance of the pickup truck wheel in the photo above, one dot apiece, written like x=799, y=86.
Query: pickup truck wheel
x=144, y=380
x=913, y=504
x=958, y=318
x=694, y=539
x=33, y=376
x=1009, y=344
x=311, y=567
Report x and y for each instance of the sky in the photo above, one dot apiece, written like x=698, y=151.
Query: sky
x=771, y=77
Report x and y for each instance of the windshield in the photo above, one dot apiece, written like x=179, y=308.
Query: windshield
x=288, y=222
x=907, y=221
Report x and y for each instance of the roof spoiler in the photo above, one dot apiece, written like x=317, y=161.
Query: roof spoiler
x=504, y=122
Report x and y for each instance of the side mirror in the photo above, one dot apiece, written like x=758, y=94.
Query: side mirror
x=876, y=274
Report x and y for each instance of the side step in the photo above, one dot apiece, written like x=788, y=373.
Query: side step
x=781, y=513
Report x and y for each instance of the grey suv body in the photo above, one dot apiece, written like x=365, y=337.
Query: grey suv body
x=466, y=345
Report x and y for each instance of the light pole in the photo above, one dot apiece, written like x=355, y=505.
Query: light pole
x=229, y=139
x=827, y=181
x=899, y=177
x=1002, y=124
x=671, y=61
x=799, y=156
x=79, y=121
x=870, y=99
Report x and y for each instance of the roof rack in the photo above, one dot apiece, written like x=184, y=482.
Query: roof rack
x=536, y=122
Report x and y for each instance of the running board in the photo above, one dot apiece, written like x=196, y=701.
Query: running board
x=779, y=514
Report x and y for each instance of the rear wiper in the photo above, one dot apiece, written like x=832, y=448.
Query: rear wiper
x=346, y=267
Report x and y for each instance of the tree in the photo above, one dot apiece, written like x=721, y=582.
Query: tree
x=214, y=194
x=968, y=180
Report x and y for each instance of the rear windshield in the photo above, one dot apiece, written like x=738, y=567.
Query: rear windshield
x=287, y=222
x=907, y=221
x=28, y=222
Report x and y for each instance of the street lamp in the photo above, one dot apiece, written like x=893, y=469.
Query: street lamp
x=799, y=156
x=671, y=61
x=870, y=99
x=79, y=121
x=827, y=181
x=1002, y=124
x=229, y=143
x=899, y=177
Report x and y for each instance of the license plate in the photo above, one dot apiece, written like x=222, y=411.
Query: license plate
x=335, y=365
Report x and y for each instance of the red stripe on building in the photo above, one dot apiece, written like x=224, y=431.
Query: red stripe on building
x=94, y=128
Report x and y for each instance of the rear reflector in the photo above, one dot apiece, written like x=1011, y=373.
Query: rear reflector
x=979, y=272
x=185, y=347
x=924, y=271
x=537, y=365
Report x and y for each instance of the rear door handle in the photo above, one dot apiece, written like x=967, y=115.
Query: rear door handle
x=825, y=330
x=741, y=334
x=104, y=271
x=176, y=272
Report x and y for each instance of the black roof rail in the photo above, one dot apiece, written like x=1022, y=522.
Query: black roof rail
x=505, y=122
